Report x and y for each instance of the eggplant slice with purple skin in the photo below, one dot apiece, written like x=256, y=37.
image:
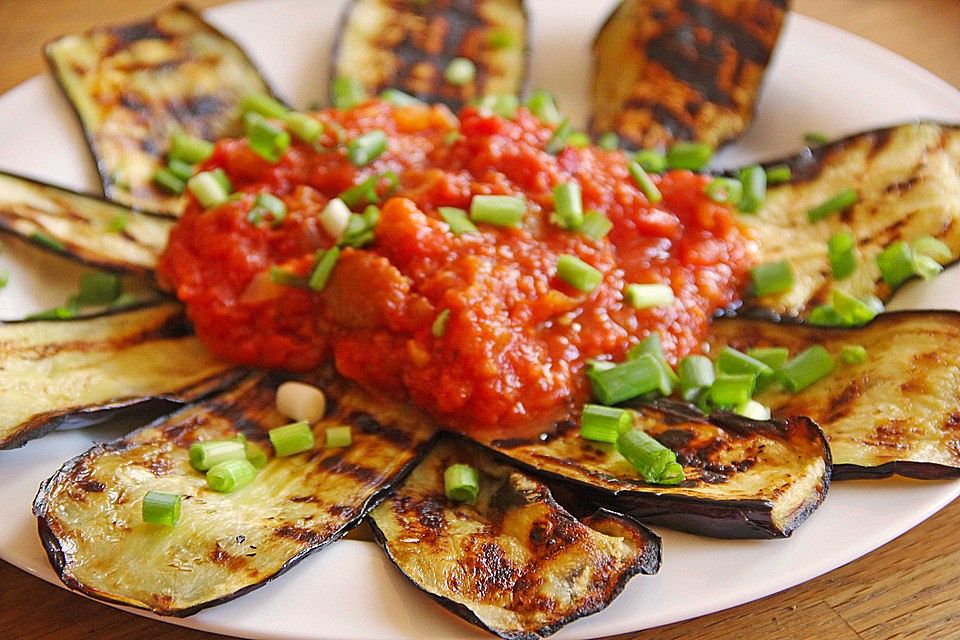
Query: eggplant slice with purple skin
x=133, y=85
x=671, y=70
x=407, y=45
x=72, y=373
x=896, y=413
x=908, y=182
x=225, y=544
x=513, y=561
x=744, y=478
x=82, y=227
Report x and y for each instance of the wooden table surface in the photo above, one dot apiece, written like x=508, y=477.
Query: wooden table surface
x=909, y=588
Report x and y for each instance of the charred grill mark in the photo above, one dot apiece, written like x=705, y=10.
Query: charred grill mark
x=841, y=404
x=337, y=465
x=902, y=187
x=879, y=141
x=952, y=423
x=306, y=537
x=126, y=35
x=491, y=568
x=367, y=424
x=234, y=563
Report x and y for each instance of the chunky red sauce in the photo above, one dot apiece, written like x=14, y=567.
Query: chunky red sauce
x=517, y=338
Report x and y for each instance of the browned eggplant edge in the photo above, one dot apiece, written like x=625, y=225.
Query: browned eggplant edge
x=342, y=30
x=88, y=134
x=58, y=559
x=905, y=468
x=733, y=519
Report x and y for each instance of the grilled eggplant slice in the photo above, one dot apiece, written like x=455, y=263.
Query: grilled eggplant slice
x=133, y=85
x=70, y=373
x=407, y=45
x=908, y=181
x=744, y=479
x=85, y=228
x=226, y=544
x=513, y=561
x=667, y=70
x=897, y=413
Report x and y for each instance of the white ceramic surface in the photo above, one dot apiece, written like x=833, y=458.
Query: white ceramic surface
x=821, y=79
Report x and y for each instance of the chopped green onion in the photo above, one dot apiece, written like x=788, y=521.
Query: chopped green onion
x=841, y=250
x=542, y=105
x=360, y=228
x=4, y=278
x=501, y=211
x=460, y=72
x=58, y=313
x=689, y=155
x=732, y=389
x=347, y=92
x=500, y=39
x=695, y=373
x=577, y=273
x=807, y=367
x=458, y=220
x=843, y=199
x=773, y=357
x=439, y=326
x=609, y=141
x=603, y=424
x=595, y=224
x=334, y=218
x=579, y=140
x=896, y=264
x=451, y=138
x=161, y=508
x=188, y=148
x=933, y=248
x=629, y=380
x=366, y=191
x=851, y=311
x=323, y=269
x=593, y=366
x=304, y=127
x=267, y=204
x=399, y=99
x=753, y=410
x=283, y=277
x=255, y=454
x=118, y=223
x=222, y=179
x=210, y=453
x=291, y=439
x=266, y=139
x=367, y=148
x=853, y=354
x=231, y=475
x=644, y=182
x=724, y=191
x=753, y=180
x=778, y=174
x=339, y=437
x=168, y=181
x=815, y=138
x=567, y=205
x=926, y=267
x=559, y=139
x=503, y=104
x=181, y=169
x=98, y=289
x=651, y=160
x=824, y=315
x=653, y=346
x=208, y=189
x=732, y=361
x=263, y=104
x=656, y=463
x=645, y=296
x=774, y=277
x=461, y=483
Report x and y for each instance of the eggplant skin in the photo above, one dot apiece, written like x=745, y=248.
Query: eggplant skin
x=514, y=561
x=70, y=373
x=133, y=85
x=407, y=44
x=907, y=178
x=897, y=413
x=91, y=230
x=669, y=70
x=744, y=478
x=225, y=545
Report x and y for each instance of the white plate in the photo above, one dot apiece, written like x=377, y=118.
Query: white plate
x=822, y=79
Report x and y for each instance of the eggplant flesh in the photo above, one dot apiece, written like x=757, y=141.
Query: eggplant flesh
x=670, y=70
x=225, y=544
x=744, y=478
x=77, y=372
x=513, y=561
x=407, y=45
x=907, y=178
x=896, y=413
x=85, y=228
x=133, y=85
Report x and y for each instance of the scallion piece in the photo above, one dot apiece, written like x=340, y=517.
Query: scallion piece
x=644, y=182
x=503, y=104
x=399, y=99
x=263, y=104
x=231, y=475
x=97, y=289
x=360, y=228
x=926, y=267
x=896, y=264
x=222, y=179
x=347, y=92
x=724, y=191
x=500, y=39
x=695, y=373
x=593, y=366
x=47, y=241
x=458, y=220
x=577, y=273
x=815, y=138
x=933, y=248
x=841, y=250
x=807, y=367
x=778, y=174
x=542, y=105
x=559, y=139
x=209, y=453
x=180, y=169
x=266, y=204
x=567, y=205
x=500, y=211
x=188, y=148
x=439, y=326
x=304, y=127
x=118, y=223
x=265, y=139
x=753, y=180
x=732, y=389
x=843, y=199
x=773, y=357
x=4, y=278
x=656, y=463
x=595, y=224
x=161, y=508
x=609, y=141
x=689, y=155
x=58, y=313
x=646, y=296
x=852, y=311
x=578, y=140
x=753, y=410
x=168, y=181
x=731, y=360
x=651, y=160
x=366, y=191
x=460, y=72
x=322, y=271
x=334, y=218
x=279, y=275
x=461, y=483
x=255, y=454
x=338, y=437
x=774, y=277
x=291, y=439
x=365, y=149
x=653, y=346
x=824, y=315
x=603, y=424
x=629, y=380
x=852, y=354
x=208, y=189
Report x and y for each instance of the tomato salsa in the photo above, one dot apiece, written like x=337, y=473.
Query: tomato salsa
x=510, y=350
